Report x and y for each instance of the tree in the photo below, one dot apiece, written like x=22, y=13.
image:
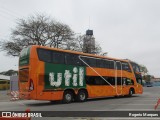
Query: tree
x=144, y=69
x=45, y=31
x=145, y=75
x=147, y=78
x=77, y=45
x=9, y=72
x=37, y=30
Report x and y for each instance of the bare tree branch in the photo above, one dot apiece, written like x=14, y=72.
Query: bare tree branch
x=36, y=30
x=45, y=31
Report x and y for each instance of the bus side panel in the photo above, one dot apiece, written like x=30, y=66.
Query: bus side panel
x=99, y=71
x=43, y=94
x=139, y=89
x=57, y=95
x=107, y=90
x=100, y=91
x=40, y=93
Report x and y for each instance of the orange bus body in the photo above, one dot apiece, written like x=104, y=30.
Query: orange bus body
x=32, y=78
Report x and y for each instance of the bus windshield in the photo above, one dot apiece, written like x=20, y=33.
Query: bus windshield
x=137, y=72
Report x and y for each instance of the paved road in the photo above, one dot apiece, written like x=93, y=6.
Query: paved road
x=4, y=96
x=144, y=102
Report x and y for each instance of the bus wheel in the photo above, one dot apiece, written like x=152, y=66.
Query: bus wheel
x=67, y=97
x=81, y=96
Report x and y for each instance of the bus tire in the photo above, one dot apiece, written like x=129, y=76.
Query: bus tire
x=67, y=97
x=81, y=96
x=131, y=92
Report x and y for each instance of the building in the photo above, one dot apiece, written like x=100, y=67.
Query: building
x=4, y=82
x=4, y=77
x=155, y=79
x=9, y=82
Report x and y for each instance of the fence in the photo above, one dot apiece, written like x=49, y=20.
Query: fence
x=14, y=88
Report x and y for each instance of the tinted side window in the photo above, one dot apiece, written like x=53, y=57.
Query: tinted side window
x=111, y=64
x=111, y=80
x=44, y=55
x=72, y=59
x=118, y=65
x=107, y=64
x=129, y=82
x=135, y=67
x=57, y=57
x=90, y=80
x=125, y=66
x=95, y=80
x=100, y=63
x=90, y=61
x=85, y=60
x=119, y=81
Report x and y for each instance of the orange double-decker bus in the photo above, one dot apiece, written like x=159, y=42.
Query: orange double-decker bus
x=55, y=74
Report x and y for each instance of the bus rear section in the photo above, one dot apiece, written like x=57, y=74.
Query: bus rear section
x=40, y=78
x=57, y=78
x=26, y=85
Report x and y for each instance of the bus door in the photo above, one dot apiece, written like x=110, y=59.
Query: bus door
x=139, y=82
x=119, y=86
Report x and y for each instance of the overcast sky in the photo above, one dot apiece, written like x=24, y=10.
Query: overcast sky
x=124, y=28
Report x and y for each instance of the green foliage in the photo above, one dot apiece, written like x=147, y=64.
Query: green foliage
x=143, y=69
x=9, y=72
x=147, y=78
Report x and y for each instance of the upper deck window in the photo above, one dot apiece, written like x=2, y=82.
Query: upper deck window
x=92, y=62
x=135, y=67
x=58, y=57
x=125, y=66
x=44, y=55
x=118, y=65
x=72, y=59
x=101, y=63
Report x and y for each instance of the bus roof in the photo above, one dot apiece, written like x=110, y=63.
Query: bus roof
x=79, y=53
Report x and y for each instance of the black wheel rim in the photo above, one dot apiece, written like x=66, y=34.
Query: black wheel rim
x=68, y=97
x=82, y=96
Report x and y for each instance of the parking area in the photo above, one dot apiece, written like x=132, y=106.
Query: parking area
x=4, y=95
x=144, y=102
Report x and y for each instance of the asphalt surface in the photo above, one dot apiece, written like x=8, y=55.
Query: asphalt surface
x=4, y=96
x=144, y=102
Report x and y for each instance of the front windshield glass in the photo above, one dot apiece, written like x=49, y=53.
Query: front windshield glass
x=136, y=67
